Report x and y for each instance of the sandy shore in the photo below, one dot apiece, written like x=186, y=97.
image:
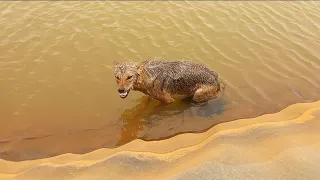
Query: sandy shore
x=284, y=145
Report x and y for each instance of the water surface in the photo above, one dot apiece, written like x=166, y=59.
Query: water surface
x=58, y=92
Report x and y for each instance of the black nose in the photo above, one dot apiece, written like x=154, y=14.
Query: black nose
x=121, y=90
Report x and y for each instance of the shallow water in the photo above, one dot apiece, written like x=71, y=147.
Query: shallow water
x=282, y=145
x=58, y=90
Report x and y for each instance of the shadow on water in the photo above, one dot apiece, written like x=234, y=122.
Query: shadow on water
x=147, y=116
x=148, y=113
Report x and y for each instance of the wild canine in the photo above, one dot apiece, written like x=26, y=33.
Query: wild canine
x=163, y=79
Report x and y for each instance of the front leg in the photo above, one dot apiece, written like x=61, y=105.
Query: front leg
x=163, y=97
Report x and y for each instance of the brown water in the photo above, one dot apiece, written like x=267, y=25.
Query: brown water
x=58, y=92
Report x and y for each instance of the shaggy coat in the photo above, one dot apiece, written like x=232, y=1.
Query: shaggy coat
x=163, y=79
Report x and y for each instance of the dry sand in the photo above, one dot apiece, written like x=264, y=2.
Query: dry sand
x=285, y=145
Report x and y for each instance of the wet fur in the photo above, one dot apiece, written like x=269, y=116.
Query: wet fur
x=163, y=79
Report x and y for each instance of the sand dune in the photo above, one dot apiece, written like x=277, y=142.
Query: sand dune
x=284, y=145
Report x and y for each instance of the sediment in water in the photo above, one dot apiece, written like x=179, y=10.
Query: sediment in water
x=282, y=145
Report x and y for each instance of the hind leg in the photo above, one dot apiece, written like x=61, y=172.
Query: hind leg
x=205, y=92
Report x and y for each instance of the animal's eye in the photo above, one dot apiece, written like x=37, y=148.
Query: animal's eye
x=129, y=77
x=117, y=78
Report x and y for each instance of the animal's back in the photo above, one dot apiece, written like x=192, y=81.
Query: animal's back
x=180, y=77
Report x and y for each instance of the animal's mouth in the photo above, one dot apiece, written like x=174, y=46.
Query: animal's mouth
x=124, y=94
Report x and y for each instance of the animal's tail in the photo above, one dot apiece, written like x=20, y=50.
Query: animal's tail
x=222, y=87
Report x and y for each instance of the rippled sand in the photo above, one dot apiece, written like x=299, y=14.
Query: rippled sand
x=284, y=145
x=58, y=94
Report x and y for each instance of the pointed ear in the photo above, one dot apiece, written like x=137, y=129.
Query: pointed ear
x=115, y=62
x=140, y=64
x=140, y=67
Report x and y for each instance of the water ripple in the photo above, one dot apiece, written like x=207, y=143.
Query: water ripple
x=57, y=59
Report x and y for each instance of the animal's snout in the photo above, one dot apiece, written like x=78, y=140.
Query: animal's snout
x=121, y=90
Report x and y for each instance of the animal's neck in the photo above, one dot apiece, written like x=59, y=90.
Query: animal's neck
x=140, y=84
x=137, y=85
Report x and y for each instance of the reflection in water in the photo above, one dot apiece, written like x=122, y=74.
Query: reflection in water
x=149, y=113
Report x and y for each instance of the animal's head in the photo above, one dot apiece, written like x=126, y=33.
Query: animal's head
x=126, y=75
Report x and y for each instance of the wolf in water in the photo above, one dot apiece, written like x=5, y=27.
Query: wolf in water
x=163, y=80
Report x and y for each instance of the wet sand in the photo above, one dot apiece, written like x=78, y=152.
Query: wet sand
x=283, y=145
